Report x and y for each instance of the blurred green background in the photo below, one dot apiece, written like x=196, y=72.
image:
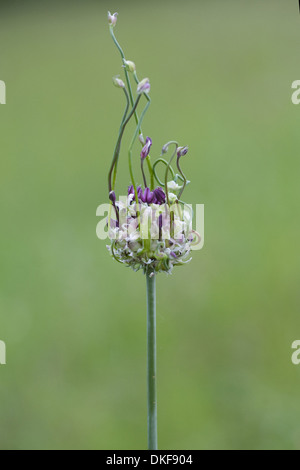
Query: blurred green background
x=74, y=322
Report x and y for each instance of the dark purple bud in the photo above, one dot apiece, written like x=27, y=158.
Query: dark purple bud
x=181, y=151
x=173, y=254
x=145, y=195
x=151, y=198
x=130, y=190
x=112, y=197
x=148, y=196
x=160, y=195
x=140, y=192
x=142, y=197
x=138, y=189
x=146, y=149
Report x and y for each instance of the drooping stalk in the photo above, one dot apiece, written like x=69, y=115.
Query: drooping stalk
x=151, y=361
x=162, y=160
x=183, y=177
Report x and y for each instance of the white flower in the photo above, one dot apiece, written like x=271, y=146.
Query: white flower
x=172, y=198
x=173, y=186
x=112, y=19
x=143, y=86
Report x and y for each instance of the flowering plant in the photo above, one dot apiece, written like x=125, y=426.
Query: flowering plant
x=150, y=228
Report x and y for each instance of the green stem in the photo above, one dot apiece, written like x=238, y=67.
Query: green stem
x=161, y=160
x=137, y=130
x=167, y=174
x=118, y=145
x=148, y=159
x=126, y=73
x=183, y=177
x=137, y=120
x=151, y=361
x=150, y=169
x=111, y=185
x=143, y=173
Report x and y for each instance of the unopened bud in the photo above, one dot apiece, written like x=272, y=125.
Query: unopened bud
x=181, y=151
x=146, y=149
x=129, y=65
x=118, y=82
x=144, y=86
x=112, y=19
x=164, y=149
x=141, y=139
x=112, y=197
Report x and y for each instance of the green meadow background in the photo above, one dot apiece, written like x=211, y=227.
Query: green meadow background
x=74, y=321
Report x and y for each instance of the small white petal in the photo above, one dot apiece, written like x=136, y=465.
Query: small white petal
x=173, y=186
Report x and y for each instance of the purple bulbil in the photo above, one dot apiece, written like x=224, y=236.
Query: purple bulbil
x=149, y=197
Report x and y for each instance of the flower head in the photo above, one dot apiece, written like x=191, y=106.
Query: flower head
x=144, y=86
x=166, y=247
x=146, y=149
x=112, y=19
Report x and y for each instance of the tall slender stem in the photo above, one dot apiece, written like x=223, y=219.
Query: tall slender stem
x=118, y=144
x=151, y=361
x=126, y=73
x=137, y=130
x=137, y=120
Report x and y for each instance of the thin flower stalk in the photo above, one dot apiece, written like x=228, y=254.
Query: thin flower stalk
x=150, y=229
